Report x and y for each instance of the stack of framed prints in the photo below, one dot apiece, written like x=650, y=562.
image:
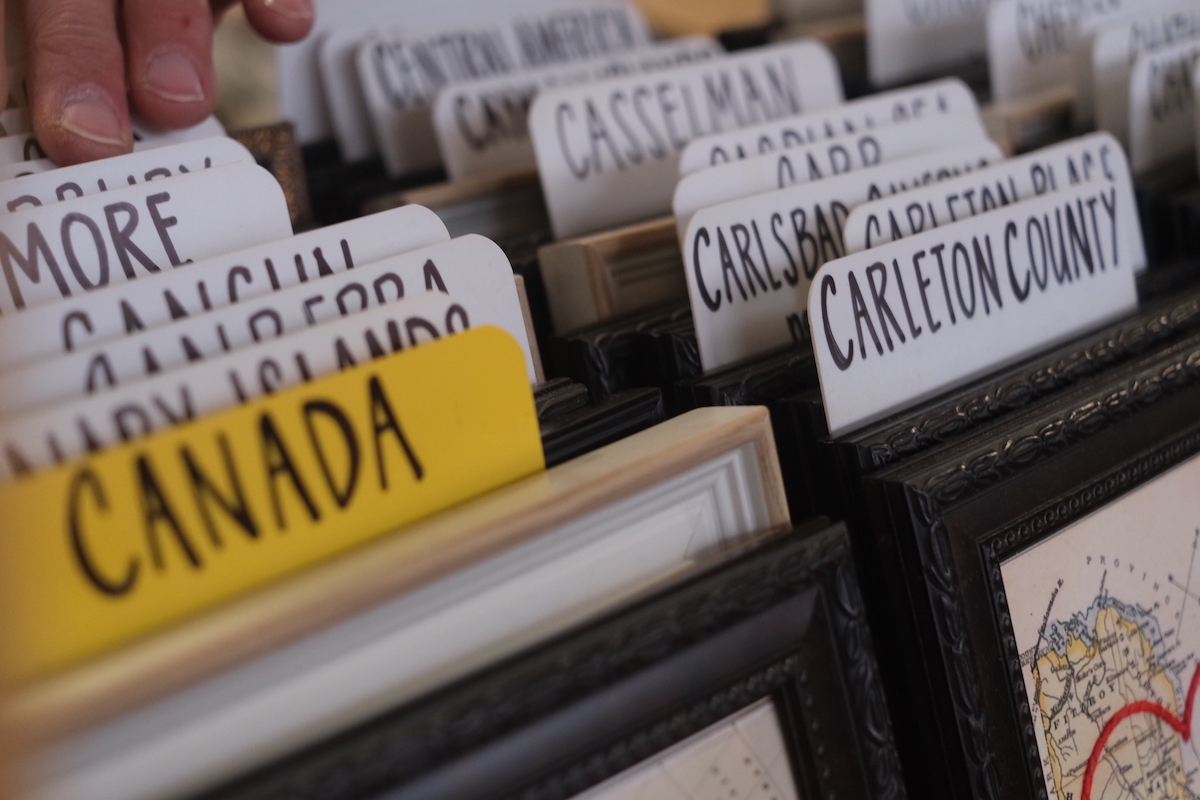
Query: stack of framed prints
x=756, y=679
x=1047, y=558
x=545, y=408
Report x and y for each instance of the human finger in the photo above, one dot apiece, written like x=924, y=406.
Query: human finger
x=169, y=60
x=281, y=20
x=75, y=71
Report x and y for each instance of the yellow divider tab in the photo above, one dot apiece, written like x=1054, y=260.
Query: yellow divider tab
x=109, y=548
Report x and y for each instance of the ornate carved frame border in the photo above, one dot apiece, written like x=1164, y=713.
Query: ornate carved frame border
x=1045, y=522
x=794, y=609
x=973, y=504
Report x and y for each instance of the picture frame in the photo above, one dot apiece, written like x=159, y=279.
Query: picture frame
x=610, y=356
x=609, y=274
x=275, y=149
x=593, y=532
x=942, y=524
x=782, y=622
x=956, y=414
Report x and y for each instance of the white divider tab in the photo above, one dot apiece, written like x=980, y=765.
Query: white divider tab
x=826, y=159
x=1092, y=26
x=94, y=177
x=14, y=121
x=151, y=301
x=608, y=152
x=19, y=169
x=401, y=73
x=335, y=56
x=302, y=96
x=903, y=322
x=749, y=263
x=303, y=100
x=936, y=100
x=43, y=438
x=482, y=125
x=472, y=269
x=1116, y=49
x=148, y=137
x=1097, y=157
x=76, y=246
x=20, y=147
x=1033, y=46
x=909, y=40
x=24, y=146
x=1161, y=107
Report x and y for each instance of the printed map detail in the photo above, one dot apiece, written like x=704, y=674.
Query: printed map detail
x=1093, y=665
x=741, y=758
x=1106, y=615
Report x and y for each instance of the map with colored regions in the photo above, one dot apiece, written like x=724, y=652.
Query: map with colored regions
x=1106, y=615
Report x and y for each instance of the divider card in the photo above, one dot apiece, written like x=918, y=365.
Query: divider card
x=302, y=97
x=1161, y=107
x=905, y=321
x=749, y=263
x=482, y=125
x=1102, y=70
x=24, y=146
x=147, y=136
x=339, y=46
x=145, y=535
x=14, y=121
x=472, y=269
x=1098, y=157
x=303, y=100
x=1032, y=46
x=20, y=147
x=75, y=246
x=910, y=40
x=937, y=100
x=608, y=152
x=402, y=72
x=19, y=169
x=49, y=435
x=826, y=159
x=120, y=310
x=67, y=183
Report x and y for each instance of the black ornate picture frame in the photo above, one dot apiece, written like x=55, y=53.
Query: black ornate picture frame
x=942, y=524
x=784, y=621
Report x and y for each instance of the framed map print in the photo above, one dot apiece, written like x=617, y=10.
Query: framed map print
x=755, y=679
x=743, y=756
x=1106, y=618
x=1045, y=557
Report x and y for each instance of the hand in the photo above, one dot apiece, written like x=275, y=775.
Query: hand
x=87, y=61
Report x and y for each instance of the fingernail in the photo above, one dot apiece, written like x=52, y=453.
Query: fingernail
x=292, y=9
x=93, y=119
x=173, y=76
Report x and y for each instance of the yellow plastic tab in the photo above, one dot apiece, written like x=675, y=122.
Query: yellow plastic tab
x=110, y=548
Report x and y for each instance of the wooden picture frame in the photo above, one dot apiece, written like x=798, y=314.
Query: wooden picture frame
x=782, y=622
x=596, y=531
x=604, y=275
x=942, y=524
x=507, y=207
x=274, y=148
x=612, y=355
